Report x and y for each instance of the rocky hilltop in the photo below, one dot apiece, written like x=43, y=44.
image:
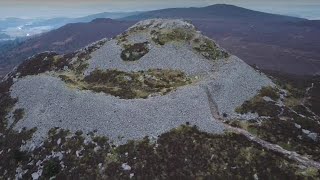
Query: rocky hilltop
x=160, y=92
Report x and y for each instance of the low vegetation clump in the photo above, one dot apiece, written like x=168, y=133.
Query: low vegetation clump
x=302, y=121
x=284, y=133
x=12, y=155
x=270, y=92
x=292, y=127
x=51, y=61
x=51, y=168
x=122, y=38
x=295, y=91
x=6, y=103
x=163, y=37
x=302, y=95
x=137, y=29
x=67, y=79
x=81, y=67
x=188, y=152
x=129, y=85
x=184, y=152
x=17, y=116
x=204, y=46
x=261, y=106
x=314, y=94
x=133, y=52
x=209, y=49
x=294, y=97
x=10, y=141
x=83, y=56
x=43, y=62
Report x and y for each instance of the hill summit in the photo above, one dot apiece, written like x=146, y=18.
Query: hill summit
x=156, y=76
x=158, y=69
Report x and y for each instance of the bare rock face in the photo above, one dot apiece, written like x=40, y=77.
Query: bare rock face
x=157, y=75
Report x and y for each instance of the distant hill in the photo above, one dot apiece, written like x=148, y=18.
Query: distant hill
x=214, y=11
x=11, y=22
x=61, y=21
x=269, y=41
x=63, y=40
x=115, y=15
x=17, y=27
x=4, y=36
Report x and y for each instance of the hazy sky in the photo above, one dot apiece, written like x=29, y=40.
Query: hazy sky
x=76, y=8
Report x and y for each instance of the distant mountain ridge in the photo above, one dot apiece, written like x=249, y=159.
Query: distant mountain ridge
x=213, y=11
x=58, y=22
x=63, y=40
x=269, y=41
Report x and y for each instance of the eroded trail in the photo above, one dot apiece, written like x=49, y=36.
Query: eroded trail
x=273, y=147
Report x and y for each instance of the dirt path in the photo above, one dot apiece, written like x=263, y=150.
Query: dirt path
x=273, y=147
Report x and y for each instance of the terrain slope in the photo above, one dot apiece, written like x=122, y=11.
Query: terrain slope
x=158, y=94
x=137, y=101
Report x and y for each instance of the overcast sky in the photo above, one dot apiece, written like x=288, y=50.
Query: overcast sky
x=76, y=8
